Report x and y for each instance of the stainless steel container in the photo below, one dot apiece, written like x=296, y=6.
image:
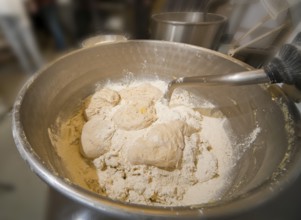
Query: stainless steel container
x=272, y=163
x=195, y=28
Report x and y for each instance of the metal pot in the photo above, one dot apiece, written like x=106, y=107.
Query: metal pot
x=272, y=163
x=195, y=28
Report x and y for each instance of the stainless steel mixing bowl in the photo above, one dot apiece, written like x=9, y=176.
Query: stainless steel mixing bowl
x=272, y=162
x=189, y=27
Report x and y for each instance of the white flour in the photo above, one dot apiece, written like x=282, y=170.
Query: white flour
x=196, y=167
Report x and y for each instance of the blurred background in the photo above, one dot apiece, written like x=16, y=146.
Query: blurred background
x=36, y=32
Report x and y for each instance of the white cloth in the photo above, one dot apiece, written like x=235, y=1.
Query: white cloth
x=15, y=8
x=23, y=43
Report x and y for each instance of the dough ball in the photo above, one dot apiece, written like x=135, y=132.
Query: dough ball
x=135, y=116
x=96, y=137
x=101, y=101
x=161, y=147
x=145, y=92
x=108, y=95
x=102, y=112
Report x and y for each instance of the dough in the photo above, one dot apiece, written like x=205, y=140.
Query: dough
x=145, y=92
x=135, y=116
x=101, y=102
x=162, y=146
x=180, y=159
x=96, y=137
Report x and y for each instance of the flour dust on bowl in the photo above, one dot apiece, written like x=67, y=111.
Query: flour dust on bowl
x=248, y=135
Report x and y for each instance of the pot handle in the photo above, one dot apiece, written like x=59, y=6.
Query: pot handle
x=103, y=39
